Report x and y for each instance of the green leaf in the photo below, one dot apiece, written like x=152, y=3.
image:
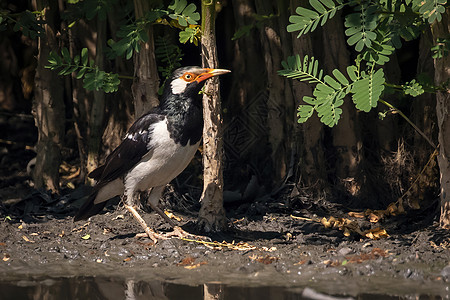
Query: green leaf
x=413, y=88
x=80, y=73
x=367, y=90
x=86, y=237
x=307, y=20
x=66, y=55
x=331, y=82
x=317, y=6
x=305, y=70
x=340, y=77
x=84, y=56
x=304, y=112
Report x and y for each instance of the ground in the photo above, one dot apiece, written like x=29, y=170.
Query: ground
x=271, y=249
x=274, y=245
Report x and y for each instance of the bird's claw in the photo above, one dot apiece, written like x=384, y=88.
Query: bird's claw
x=177, y=232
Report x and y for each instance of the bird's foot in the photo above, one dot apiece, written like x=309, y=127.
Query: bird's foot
x=154, y=236
x=182, y=234
x=177, y=232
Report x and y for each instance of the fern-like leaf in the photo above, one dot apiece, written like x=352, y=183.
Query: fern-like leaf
x=431, y=10
x=361, y=26
x=413, y=88
x=304, y=70
x=367, y=90
x=307, y=20
x=184, y=13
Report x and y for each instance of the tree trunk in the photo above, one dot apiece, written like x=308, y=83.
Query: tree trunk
x=48, y=105
x=442, y=74
x=212, y=213
x=145, y=86
x=246, y=140
x=280, y=102
x=311, y=169
x=97, y=113
x=347, y=146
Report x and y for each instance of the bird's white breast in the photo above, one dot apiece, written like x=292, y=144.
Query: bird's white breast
x=164, y=162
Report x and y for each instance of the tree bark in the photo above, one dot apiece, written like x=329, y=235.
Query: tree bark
x=48, y=105
x=212, y=213
x=311, y=169
x=97, y=113
x=280, y=102
x=146, y=83
x=442, y=74
x=347, y=146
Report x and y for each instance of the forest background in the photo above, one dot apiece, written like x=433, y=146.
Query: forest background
x=113, y=57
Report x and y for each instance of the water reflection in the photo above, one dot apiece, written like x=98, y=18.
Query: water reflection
x=81, y=287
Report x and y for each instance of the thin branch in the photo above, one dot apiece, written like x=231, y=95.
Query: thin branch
x=409, y=121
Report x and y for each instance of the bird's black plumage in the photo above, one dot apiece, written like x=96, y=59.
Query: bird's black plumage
x=157, y=147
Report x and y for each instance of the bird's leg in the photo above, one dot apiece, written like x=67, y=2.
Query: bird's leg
x=153, y=201
x=148, y=231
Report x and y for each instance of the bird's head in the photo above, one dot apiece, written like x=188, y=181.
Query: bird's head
x=189, y=80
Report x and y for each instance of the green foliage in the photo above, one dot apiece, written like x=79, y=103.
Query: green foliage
x=361, y=26
x=184, y=13
x=431, y=10
x=132, y=35
x=191, y=35
x=413, y=88
x=307, y=20
x=98, y=8
x=93, y=78
x=374, y=28
x=28, y=22
x=367, y=90
x=168, y=57
x=258, y=21
x=329, y=92
x=441, y=48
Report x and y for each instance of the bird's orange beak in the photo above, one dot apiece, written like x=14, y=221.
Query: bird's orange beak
x=208, y=73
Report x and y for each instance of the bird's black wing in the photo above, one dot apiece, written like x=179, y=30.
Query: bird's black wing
x=120, y=161
x=133, y=147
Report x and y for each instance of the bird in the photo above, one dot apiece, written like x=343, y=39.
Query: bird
x=156, y=148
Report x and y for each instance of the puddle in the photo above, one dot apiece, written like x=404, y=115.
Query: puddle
x=99, y=287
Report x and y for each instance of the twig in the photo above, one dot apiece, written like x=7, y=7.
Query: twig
x=410, y=122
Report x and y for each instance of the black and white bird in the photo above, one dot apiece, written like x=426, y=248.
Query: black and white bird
x=155, y=150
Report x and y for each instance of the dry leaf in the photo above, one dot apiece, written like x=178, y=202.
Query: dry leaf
x=302, y=262
x=172, y=216
x=189, y=260
x=6, y=257
x=376, y=233
x=27, y=239
x=356, y=214
x=196, y=265
x=267, y=260
x=374, y=218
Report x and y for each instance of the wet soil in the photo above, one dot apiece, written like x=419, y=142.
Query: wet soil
x=271, y=249
x=268, y=253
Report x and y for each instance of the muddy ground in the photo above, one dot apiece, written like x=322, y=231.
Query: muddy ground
x=265, y=247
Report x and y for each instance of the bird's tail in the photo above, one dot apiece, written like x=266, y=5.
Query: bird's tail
x=89, y=208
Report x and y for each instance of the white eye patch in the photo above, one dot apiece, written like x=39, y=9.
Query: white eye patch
x=178, y=85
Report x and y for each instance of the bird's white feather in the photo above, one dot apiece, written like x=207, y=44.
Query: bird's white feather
x=163, y=163
x=178, y=85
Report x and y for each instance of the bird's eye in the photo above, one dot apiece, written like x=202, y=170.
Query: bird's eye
x=188, y=77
